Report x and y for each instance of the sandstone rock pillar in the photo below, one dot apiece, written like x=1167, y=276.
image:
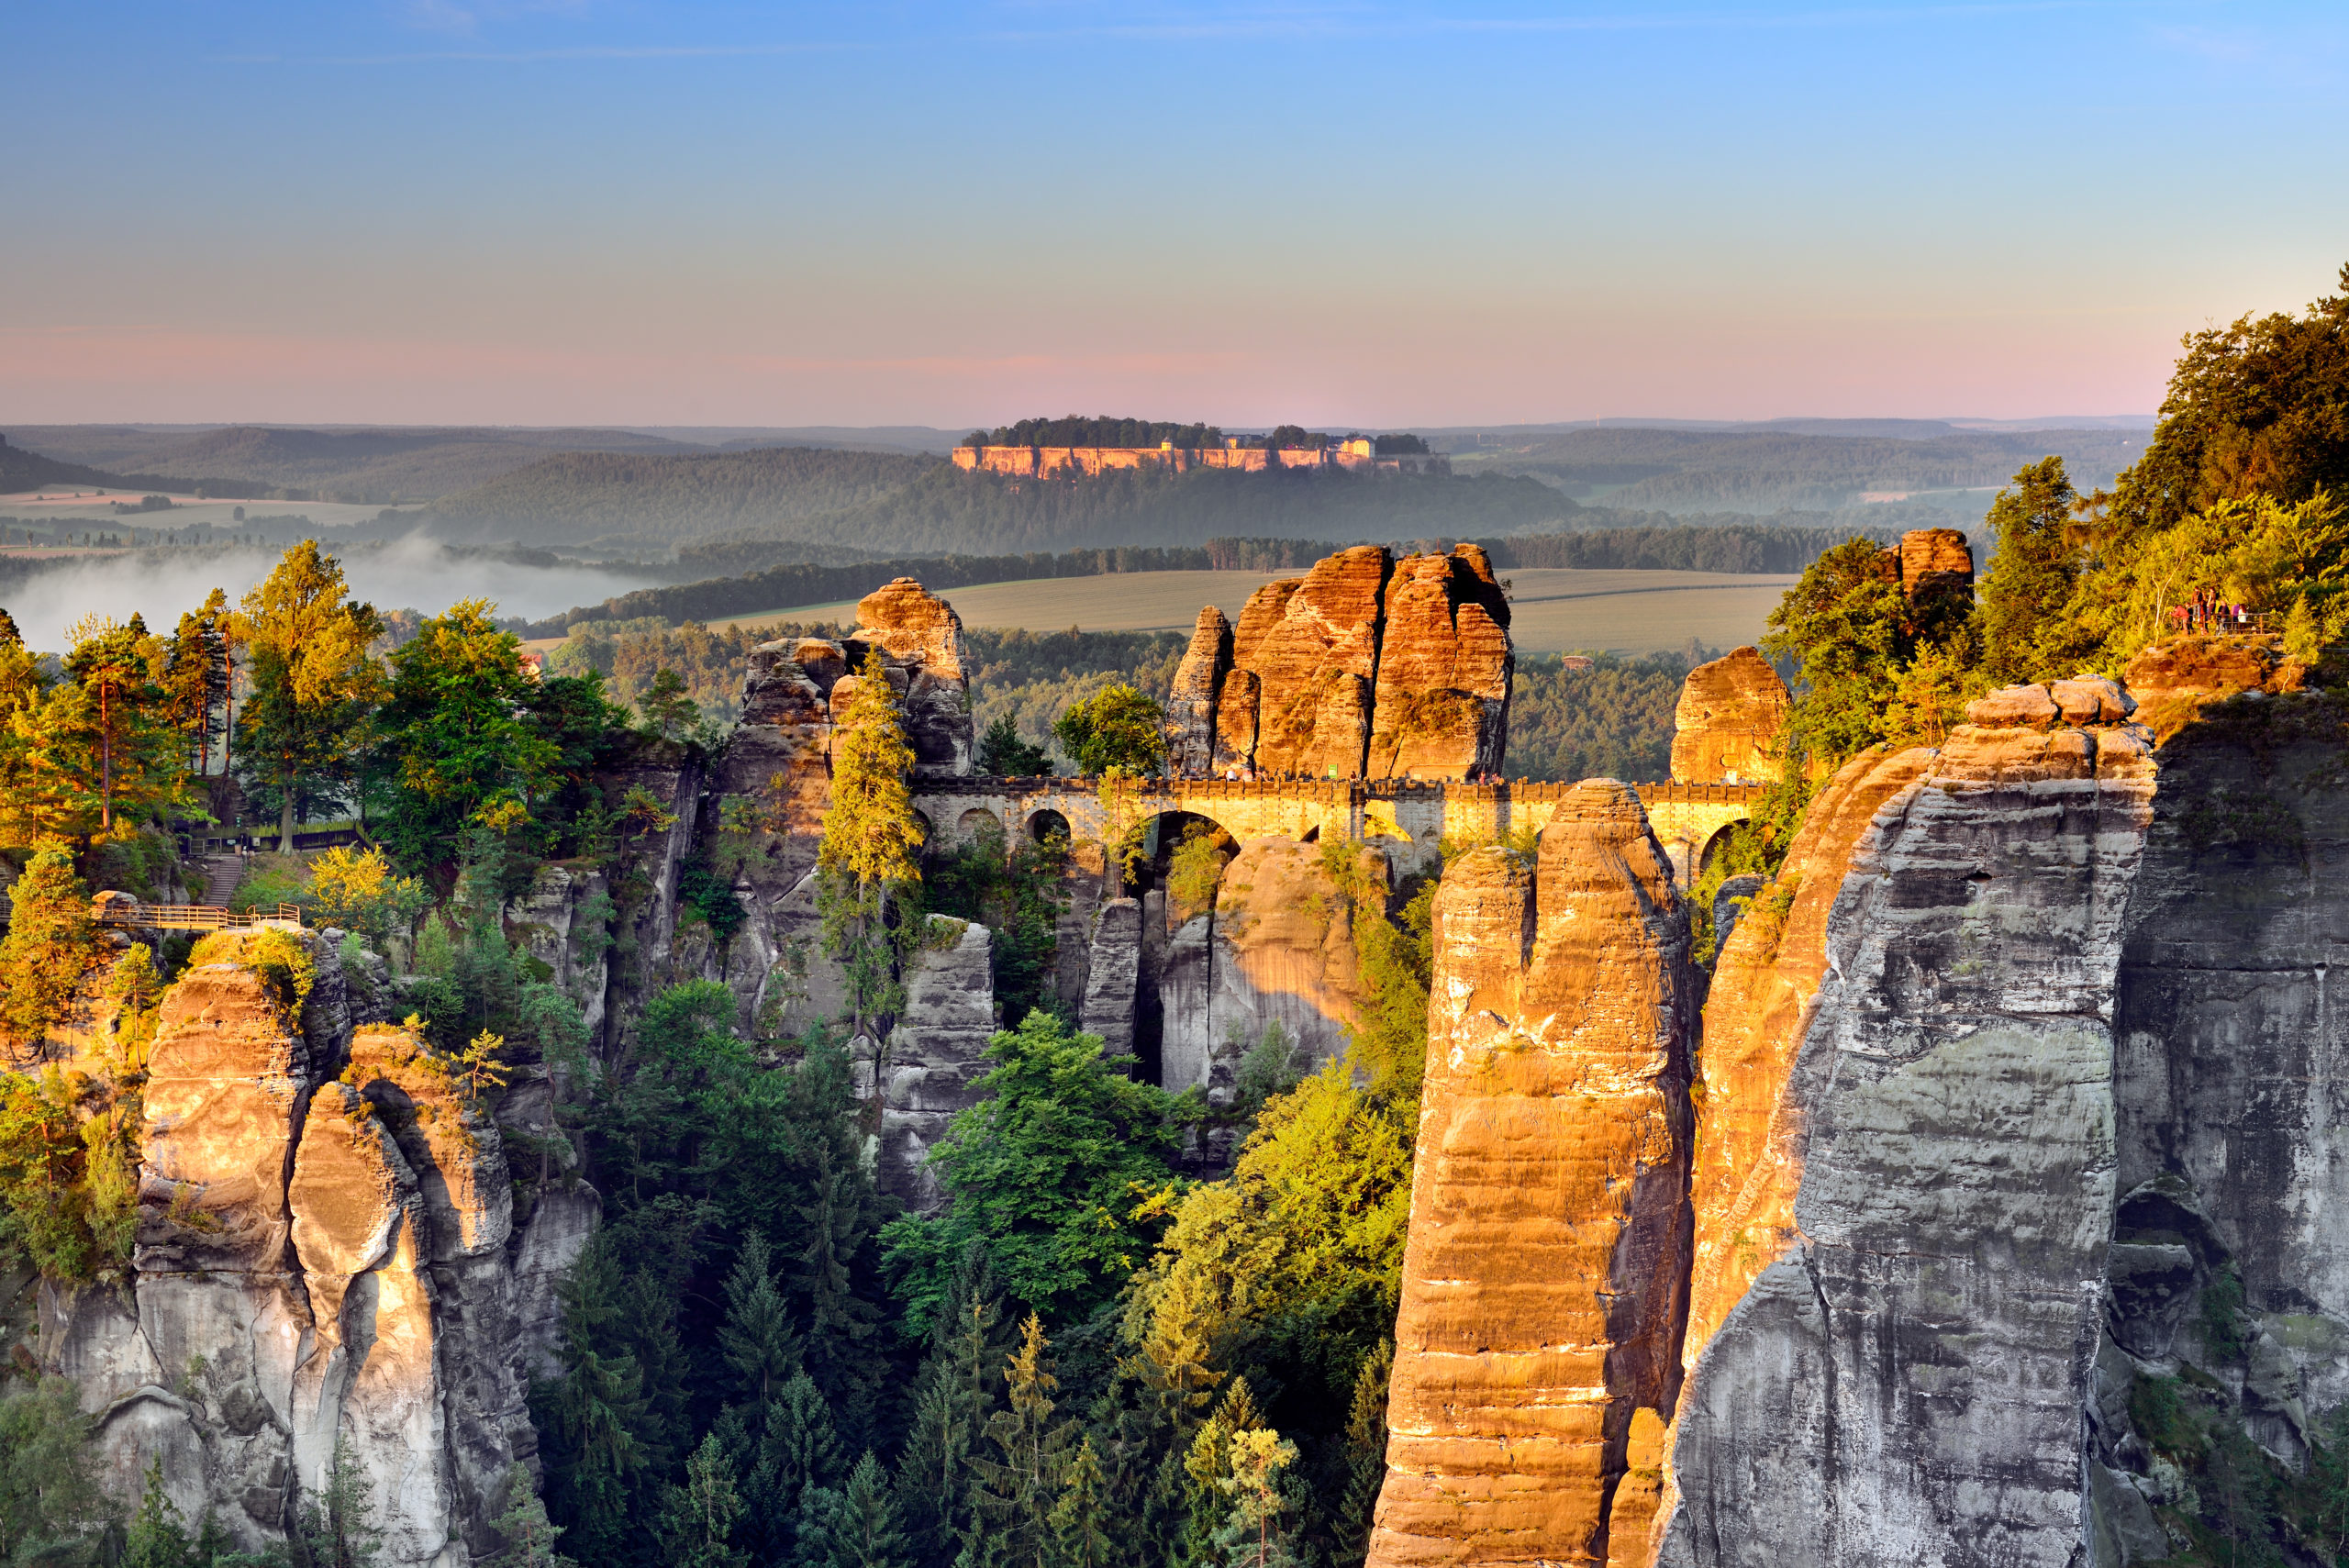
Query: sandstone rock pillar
x=1199, y=687
x=1730, y=715
x=1543, y=1284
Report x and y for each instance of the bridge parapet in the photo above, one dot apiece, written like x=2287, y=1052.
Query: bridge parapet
x=1420, y=814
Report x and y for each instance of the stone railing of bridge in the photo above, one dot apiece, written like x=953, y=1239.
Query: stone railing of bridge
x=1412, y=818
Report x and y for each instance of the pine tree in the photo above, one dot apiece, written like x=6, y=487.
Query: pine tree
x=1019, y=1488
x=1081, y=1516
x=1365, y=1454
x=697, y=1518
x=338, y=1528
x=156, y=1539
x=313, y=677
x=841, y=1323
x=869, y=843
x=864, y=1532
x=2026, y=634
x=799, y=1452
x=1206, y=1465
x=529, y=1534
x=50, y=946
x=953, y=1401
x=1251, y=1536
x=760, y=1348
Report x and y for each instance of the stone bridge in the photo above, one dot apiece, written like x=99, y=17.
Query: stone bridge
x=1411, y=816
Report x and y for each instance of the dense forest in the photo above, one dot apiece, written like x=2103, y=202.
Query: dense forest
x=1101, y=430
x=673, y=499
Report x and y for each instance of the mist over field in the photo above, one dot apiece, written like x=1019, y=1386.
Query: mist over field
x=408, y=574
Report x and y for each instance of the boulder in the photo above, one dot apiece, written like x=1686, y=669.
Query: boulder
x=1935, y=560
x=1276, y=950
x=1543, y=1285
x=1729, y=716
x=1113, y=973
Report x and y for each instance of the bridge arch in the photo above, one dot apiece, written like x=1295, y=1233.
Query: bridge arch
x=976, y=822
x=1043, y=822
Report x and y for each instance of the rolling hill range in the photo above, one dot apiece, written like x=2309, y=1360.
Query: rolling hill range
x=1771, y=470
x=774, y=490
x=380, y=466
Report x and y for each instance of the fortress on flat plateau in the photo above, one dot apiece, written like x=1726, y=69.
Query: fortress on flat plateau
x=1358, y=456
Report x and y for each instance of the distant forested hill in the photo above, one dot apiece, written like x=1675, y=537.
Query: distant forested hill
x=918, y=506
x=368, y=466
x=580, y=496
x=1681, y=471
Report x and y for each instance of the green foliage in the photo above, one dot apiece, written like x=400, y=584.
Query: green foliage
x=67, y=1175
x=460, y=745
x=1003, y=753
x=313, y=682
x=1611, y=720
x=1273, y=1065
x=2221, y=1315
x=706, y=893
x=697, y=1518
x=665, y=708
x=50, y=945
x=870, y=844
x=356, y=890
x=339, y=1527
x=1388, y=1040
x=2026, y=632
x=1015, y=890
x=1045, y=1175
x=1195, y=870
x=1019, y=1485
x=529, y=1534
x=1119, y=728
x=52, y=1507
x=2254, y=408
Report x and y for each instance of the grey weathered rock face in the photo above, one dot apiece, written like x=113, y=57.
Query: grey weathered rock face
x=324, y=1254
x=2231, y=1159
x=1113, y=975
x=935, y=1053
x=1905, y=1382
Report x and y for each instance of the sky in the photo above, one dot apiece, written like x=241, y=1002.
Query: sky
x=548, y=212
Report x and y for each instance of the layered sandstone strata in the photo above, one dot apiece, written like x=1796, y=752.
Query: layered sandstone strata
x=934, y=1054
x=1315, y=666
x=1543, y=1285
x=1935, y=560
x=1909, y=1167
x=1366, y=666
x=1728, y=719
x=1199, y=687
x=1444, y=666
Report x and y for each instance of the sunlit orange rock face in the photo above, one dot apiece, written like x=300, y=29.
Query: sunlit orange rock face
x=1444, y=664
x=1316, y=666
x=1543, y=1288
x=1731, y=711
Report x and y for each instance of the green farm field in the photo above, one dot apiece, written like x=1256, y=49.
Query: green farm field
x=1554, y=611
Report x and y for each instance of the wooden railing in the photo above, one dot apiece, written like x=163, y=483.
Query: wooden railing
x=187, y=916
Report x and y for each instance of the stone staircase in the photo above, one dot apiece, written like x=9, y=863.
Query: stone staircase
x=221, y=875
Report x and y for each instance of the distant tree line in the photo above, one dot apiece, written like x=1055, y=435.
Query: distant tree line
x=1734, y=547
x=1101, y=430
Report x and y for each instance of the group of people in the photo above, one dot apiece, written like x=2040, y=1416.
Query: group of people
x=2203, y=612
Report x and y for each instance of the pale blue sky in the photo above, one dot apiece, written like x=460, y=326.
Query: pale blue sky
x=435, y=210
